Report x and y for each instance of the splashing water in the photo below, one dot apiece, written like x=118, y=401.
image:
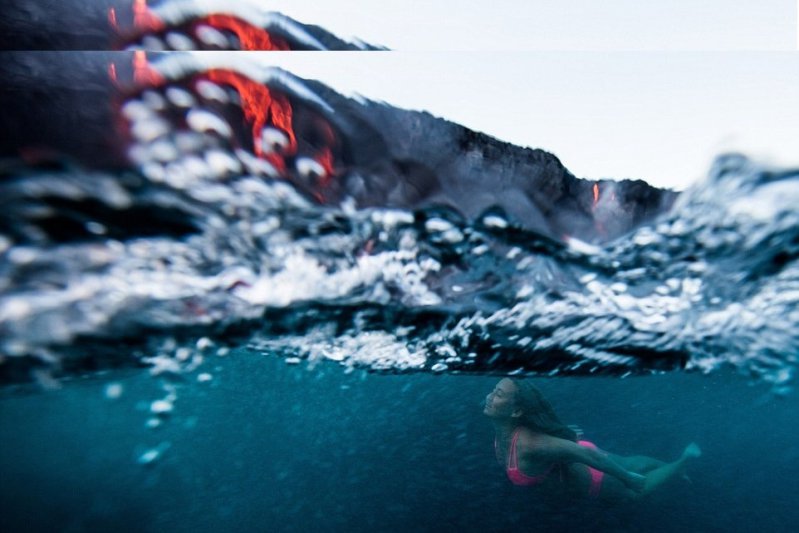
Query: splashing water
x=212, y=237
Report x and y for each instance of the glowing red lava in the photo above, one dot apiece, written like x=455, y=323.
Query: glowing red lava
x=143, y=74
x=112, y=18
x=144, y=19
x=112, y=73
x=250, y=37
x=260, y=107
x=325, y=158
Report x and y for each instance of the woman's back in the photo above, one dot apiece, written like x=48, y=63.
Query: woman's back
x=529, y=461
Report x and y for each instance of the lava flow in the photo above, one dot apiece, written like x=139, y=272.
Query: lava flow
x=144, y=19
x=143, y=74
x=238, y=125
x=250, y=37
x=261, y=107
x=214, y=31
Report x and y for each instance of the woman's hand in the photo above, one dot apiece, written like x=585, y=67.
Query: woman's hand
x=635, y=482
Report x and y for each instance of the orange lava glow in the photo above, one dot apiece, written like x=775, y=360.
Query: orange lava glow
x=143, y=74
x=250, y=37
x=112, y=73
x=325, y=158
x=596, y=193
x=261, y=107
x=112, y=18
x=143, y=18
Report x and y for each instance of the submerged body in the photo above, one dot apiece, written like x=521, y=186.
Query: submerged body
x=536, y=449
x=518, y=477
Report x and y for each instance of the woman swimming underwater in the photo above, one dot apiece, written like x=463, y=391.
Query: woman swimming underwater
x=537, y=449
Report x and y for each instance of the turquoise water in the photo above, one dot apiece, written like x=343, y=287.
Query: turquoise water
x=268, y=446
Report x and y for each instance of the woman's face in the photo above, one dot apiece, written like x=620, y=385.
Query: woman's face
x=501, y=402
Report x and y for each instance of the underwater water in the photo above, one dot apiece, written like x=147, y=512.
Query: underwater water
x=321, y=393
x=270, y=446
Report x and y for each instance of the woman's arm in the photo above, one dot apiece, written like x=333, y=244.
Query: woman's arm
x=570, y=452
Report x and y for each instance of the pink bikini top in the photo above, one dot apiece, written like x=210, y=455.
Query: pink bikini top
x=516, y=476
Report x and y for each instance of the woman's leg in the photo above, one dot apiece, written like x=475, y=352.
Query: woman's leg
x=640, y=464
x=660, y=475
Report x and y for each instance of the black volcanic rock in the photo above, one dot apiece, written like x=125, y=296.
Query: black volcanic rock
x=64, y=104
x=86, y=25
x=412, y=159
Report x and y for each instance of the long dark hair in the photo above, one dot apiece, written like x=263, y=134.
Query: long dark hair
x=537, y=412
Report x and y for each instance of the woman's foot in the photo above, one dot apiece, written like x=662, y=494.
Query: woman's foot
x=692, y=451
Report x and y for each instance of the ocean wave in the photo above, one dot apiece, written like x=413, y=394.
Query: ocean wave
x=329, y=229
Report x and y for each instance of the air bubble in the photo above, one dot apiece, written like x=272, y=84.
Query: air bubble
x=211, y=91
x=204, y=343
x=310, y=168
x=211, y=36
x=201, y=121
x=493, y=221
x=152, y=44
x=149, y=129
x=179, y=97
x=161, y=407
x=96, y=228
x=180, y=42
x=149, y=457
x=222, y=163
x=153, y=454
x=163, y=151
x=153, y=100
x=113, y=391
x=134, y=110
x=274, y=141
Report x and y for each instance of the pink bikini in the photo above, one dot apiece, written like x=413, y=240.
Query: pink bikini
x=517, y=477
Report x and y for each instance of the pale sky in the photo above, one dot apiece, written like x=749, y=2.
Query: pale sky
x=631, y=90
x=427, y=25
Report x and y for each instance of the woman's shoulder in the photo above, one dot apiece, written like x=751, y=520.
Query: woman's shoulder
x=531, y=437
x=532, y=441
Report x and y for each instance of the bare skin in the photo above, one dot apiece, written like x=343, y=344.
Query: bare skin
x=627, y=477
